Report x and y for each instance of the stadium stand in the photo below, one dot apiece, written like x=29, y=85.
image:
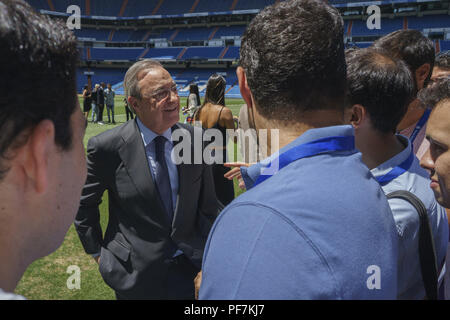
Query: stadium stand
x=195, y=38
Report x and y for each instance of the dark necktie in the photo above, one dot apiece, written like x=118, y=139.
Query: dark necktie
x=162, y=176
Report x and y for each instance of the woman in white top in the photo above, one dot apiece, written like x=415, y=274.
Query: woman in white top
x=193, y=102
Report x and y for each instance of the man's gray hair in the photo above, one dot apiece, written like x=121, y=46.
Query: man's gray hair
x=130, y=82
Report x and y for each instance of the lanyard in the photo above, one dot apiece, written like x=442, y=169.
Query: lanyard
x=325, y=145
x=419, y=125
x=397, y=171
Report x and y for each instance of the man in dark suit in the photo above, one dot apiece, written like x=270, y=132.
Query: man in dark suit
x=160, y=212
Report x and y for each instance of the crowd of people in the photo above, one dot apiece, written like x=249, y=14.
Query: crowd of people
x=96, y=99
x=349, y=202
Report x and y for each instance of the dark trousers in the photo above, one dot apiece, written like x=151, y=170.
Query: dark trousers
x=129, y=112
x=100, y=112
x=110, y=107
x=179, y=283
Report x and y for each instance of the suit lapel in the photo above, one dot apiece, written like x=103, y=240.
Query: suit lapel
x=132, y=153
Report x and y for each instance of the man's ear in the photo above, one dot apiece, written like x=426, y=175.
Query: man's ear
x=356, y=115
x=40, y=150
x=422, y=74
x=243, y=87
x=132, y=101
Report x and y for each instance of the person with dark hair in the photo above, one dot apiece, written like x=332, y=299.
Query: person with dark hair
x=100, y=102
x=418, y=52
x=313, y=223
x=437, y=159
x=380, y=89
x=42, y=160
x=192, y=103
x=161, y=209
x=109, y=97
x=87, y=101
x=213, y=114
x=127, y=110
x=441, y=65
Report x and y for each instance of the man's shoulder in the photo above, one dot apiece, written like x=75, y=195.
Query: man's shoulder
x=113, y=138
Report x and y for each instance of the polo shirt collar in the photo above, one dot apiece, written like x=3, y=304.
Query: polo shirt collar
x=395, y=161
x=251, y=174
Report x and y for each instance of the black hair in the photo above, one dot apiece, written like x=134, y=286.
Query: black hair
x=38, y=63
x=215, y=92
x=437, y=91
x=381, y=84
x=293, y=57
x=442, y=60
x=193, y=88
x=412, y=47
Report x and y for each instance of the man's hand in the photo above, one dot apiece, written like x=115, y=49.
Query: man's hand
x=97, y=259
x=235, y=172
x=197, y=283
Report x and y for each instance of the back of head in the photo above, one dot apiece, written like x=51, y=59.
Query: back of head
x=193, y=88
x=381, y=84
x=38, y=63
x=443, y=60
x=215, y=90
x=435, y=93
x=293, y=57
x=411, y=46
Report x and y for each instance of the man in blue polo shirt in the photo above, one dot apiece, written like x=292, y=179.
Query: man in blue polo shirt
x=380, y=89
x=319, y=227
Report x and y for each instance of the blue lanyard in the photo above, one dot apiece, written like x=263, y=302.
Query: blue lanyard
x=397, y=171
x=325, y=145
x=419, y=125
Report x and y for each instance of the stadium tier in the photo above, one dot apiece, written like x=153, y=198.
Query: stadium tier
x=105, y=39
x=135, y=8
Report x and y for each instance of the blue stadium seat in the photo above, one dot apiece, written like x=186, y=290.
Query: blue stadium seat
x=116, y=53
x=229, y=31
x=163, y=53
x=122, y=35
x=98, y=34
x=193, y=34
x=445, y=45
x=434, y=21
x=62, y=5
x=202, y=53
x=39, y=4
x=253, y=4
x=100, y=75
x=232, y=53
x=175, y=6
x=136, y=8
x=109, y=8
x=213, y=6
x=359, y=27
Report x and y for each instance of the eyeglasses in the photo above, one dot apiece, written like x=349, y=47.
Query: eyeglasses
x=162, y=94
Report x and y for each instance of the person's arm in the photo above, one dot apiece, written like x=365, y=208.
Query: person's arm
x=87, y=221
x=227, y=121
